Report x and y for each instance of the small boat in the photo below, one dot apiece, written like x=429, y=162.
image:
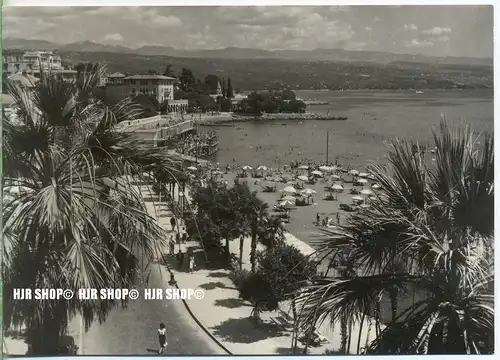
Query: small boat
x=419, y=92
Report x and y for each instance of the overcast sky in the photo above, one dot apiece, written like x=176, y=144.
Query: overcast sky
x=436, y=30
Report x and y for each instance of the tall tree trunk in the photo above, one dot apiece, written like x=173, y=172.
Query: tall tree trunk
x=242, y=242
x=393, y=293
x=360, y=332
x=228, y=254
x=343, y=333
x=295, y=327
x=349, y=336
x=253, y=248
x=377, y=319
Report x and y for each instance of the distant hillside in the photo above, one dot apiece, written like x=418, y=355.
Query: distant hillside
x=23, y=44
x=252, y=74
x=89, y=46
x=334, y=55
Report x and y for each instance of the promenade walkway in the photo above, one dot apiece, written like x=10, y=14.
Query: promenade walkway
x=226, y=316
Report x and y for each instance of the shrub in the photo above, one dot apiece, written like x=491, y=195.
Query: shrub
x=256, y=289
x=239, y=277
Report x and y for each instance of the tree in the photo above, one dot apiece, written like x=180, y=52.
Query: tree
x=223, y=87
x=219, y=205
x=225, y=105
x=229, y=90
x=212, y=82
x=256, y=289
x=148, y=104
x=430, y=229
x=168, y=71
x=74, y=205
x=187, y=81
x=286, y=269
x=151, y=72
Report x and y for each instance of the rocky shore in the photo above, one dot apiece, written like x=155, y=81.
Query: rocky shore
x=283, y=116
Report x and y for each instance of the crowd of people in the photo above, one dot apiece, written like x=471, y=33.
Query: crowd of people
x=195, y=144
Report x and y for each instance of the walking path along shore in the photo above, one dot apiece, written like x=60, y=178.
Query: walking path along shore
x=226, y=316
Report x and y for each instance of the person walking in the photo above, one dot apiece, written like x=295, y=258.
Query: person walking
x=191, y=263
x=171, y=245
x=172, y=223
x=317, y=219
x=181, y=260
x=162, y=338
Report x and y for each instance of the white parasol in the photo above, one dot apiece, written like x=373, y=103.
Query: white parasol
x=262, y=167
x=363, y=175
x=361, y=181
x=303, y=167
x=303, y=178
x=366, y=192
x=308, y=191
x=357, y=198
x=192, y=168
x=287, y=203
x=337, y=187
x=247, y=167
x=336, y=177
x=327, y=168
x=354, y=172
x=376, y=186
x=289, y=189
x=317, y=172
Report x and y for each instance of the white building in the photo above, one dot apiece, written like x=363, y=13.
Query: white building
x=15, y=61
x=160, y=87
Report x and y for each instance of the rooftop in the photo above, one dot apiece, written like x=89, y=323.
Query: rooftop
x=149, y=77
x=117, y=75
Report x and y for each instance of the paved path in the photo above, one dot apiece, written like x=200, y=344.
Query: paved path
x=132, y=331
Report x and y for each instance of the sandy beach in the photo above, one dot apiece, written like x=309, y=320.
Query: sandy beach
x=303, y=218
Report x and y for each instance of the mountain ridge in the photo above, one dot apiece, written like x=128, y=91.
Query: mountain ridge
x=334, y=55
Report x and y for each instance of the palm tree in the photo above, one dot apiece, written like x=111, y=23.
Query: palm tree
x=77, y=221
x=429, y=229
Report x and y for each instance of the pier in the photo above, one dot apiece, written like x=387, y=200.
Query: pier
x=158, y=128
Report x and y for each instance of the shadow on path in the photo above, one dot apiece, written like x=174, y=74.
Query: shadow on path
x=155, y=351
x=246, y=331
x=218, y=274
x=231, y=303
x=213, y=285
x=288, y=351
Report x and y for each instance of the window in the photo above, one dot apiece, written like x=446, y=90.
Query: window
x=132, y=82
x=143, y=82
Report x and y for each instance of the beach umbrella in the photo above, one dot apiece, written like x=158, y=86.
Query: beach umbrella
x=354, y=172
x=363, y=175
x=303, y=178
x=336, y=177
x=317, y=172
x=365, y=192
x=192, y=168
x=290, y=190
x=372, y=177
x=287, y=197
x=376, y=186
x=287, y=203
x=303, y=167
x=308, y=192
x=262, y=167
x=327, y=168
x=357, y=198
x=247, y=167
x=361, y=181
x=337, y=187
